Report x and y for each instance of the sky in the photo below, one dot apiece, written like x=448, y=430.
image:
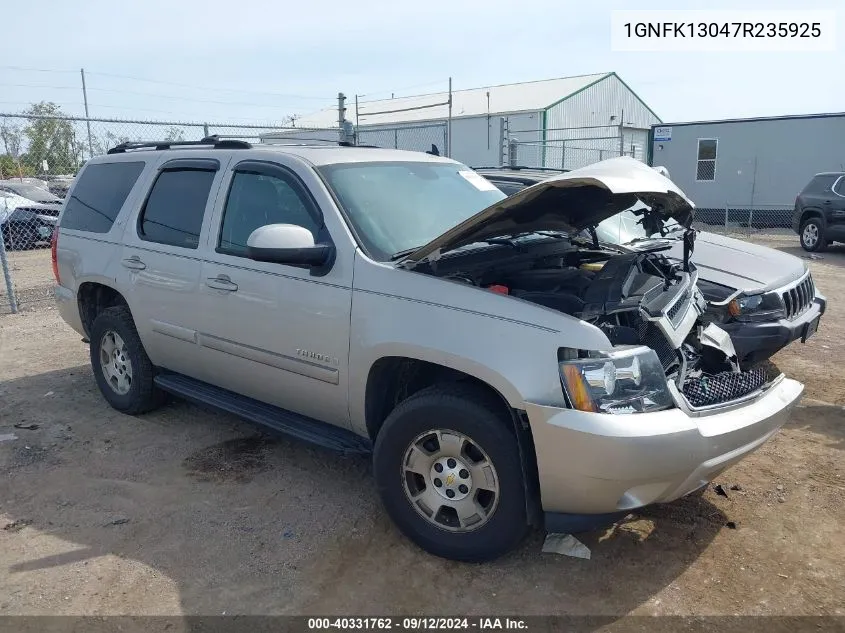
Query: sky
x=258, y=62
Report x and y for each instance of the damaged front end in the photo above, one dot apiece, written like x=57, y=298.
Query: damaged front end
x=639, y=300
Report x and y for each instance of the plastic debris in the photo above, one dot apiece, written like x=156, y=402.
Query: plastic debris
x=720, y=490
x=565, y=544
x=8, y=437
x=27, y=427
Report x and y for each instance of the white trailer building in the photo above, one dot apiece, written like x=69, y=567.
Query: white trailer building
x=564, y=123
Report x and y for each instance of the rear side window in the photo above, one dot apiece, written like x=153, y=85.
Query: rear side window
x=175, y=207
x=839, y=186
x=99, y=195
x=822, y=183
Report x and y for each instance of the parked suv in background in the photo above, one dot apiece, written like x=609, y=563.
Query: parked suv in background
x=764, y=298
x=819, y=216
x=396, y=302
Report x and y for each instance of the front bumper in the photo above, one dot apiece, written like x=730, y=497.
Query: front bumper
x=591, y=463
x=755, y=342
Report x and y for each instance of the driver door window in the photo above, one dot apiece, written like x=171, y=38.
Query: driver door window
x=257, y=199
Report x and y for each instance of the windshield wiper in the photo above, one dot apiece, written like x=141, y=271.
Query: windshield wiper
x=403, y=253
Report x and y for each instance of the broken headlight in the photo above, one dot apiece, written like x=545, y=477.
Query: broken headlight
x=761, y=307
x=626, y=380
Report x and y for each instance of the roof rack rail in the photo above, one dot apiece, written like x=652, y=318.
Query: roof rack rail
x=214, y=141
x=521, y=168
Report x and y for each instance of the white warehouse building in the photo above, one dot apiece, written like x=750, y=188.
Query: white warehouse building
x=562, y=123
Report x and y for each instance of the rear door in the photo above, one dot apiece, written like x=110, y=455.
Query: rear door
x=161, y=261
x=835, y=205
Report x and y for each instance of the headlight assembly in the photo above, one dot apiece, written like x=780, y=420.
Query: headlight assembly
x=625, y=380
x=762, y=307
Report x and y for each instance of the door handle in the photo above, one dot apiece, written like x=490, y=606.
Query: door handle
x=827, y=202
x=221, y=282
x=133, y=263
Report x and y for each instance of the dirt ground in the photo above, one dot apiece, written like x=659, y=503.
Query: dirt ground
x=188, y=512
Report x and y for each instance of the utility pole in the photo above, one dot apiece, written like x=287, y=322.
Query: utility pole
x=356, y=113
x=87, y=119
x=449, y=124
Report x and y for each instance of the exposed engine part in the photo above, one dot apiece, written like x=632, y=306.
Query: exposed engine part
x=715, y=337
x=707, y=390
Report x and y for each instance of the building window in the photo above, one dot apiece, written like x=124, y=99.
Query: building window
x=705, y=168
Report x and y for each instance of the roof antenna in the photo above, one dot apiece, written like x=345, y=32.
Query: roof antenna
x=433, y=151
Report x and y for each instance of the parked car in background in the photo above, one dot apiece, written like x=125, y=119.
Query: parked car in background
x=25, y=224
x=819, y=216
x=59, y=185
x=392, y=302
x=764, y=298
x=30, y=192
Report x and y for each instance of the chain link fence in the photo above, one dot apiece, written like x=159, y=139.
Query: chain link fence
x=743, y=220
x=415, y=138
x=40, y=155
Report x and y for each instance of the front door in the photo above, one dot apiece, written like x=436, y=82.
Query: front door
x=273, y=332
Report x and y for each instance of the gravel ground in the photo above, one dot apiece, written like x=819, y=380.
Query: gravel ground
x=186, y=511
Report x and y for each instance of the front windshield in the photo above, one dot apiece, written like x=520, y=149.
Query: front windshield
x=625, y=227
x=398, y=206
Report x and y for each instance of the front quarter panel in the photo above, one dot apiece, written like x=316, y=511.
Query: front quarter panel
x=507, y=343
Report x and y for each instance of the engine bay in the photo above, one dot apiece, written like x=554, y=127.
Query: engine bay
x=641, y=298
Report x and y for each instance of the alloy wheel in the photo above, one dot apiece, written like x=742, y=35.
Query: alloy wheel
x=450, y=480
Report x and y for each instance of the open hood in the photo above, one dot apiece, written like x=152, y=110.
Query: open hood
x=568, y=202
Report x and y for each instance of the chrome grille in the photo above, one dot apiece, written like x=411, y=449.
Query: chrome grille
x=675, y=310
x=798, y=298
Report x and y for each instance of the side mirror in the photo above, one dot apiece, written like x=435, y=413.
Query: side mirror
x=287, y=244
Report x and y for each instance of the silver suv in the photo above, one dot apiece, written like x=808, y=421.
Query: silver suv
x=502, y=369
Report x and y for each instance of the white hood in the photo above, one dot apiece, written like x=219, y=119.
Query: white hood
x=568, y=202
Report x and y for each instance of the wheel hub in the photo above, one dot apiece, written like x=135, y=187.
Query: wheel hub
x=115, y=362
x=451, y=478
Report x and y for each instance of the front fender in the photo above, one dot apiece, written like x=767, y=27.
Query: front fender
x=506, y=343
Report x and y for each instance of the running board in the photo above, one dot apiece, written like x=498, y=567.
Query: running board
x=275, y=418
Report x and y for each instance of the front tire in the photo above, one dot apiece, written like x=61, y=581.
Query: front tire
x=448, y=469
x=812, y=235
x=122, y=369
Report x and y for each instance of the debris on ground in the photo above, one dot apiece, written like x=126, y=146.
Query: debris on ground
x=49, y=393
x=779, y=488
x=731, y=525
x=117, y=521
x=720, y=490
x=17, y=526
x=736, y=487
x=27, y=426
x=8, y=437
x=783, y=575
x=565, y=544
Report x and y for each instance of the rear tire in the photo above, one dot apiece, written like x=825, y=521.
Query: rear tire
x=812, y=235
x=454, y=440
x=122, y=369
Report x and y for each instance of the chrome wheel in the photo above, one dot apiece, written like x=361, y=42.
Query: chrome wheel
x=450, y=480
x=810, y=236
x=115, y=363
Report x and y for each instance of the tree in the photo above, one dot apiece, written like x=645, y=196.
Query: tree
x=51, y=138
x=174, y=134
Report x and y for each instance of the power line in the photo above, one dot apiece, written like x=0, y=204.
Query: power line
x=147, y=94
x=37, y=70
x=215, y=88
